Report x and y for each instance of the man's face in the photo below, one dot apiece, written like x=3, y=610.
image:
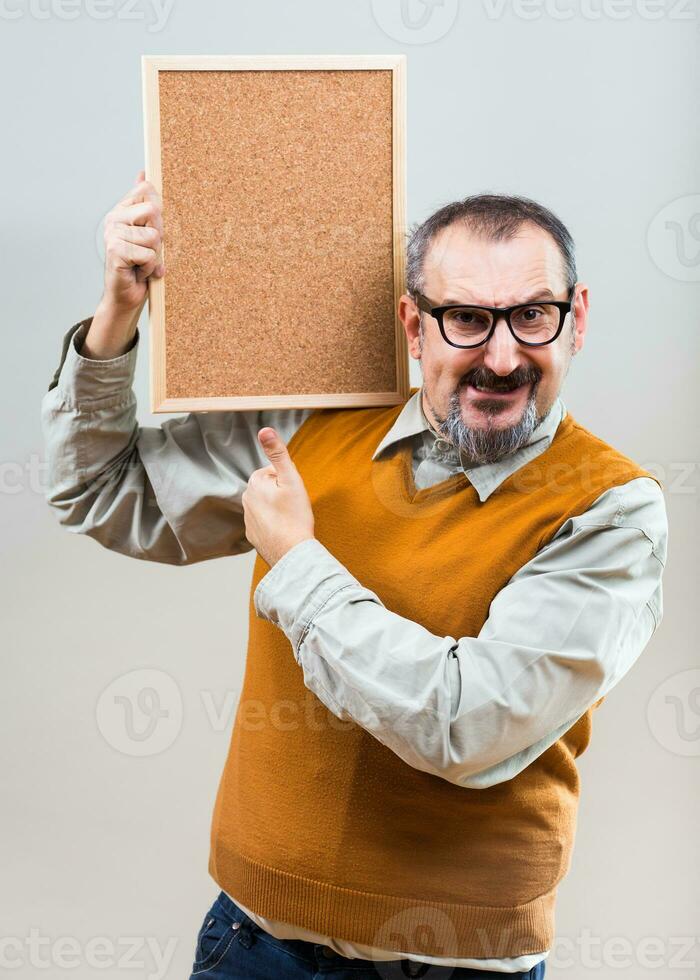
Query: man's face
x=463, y=268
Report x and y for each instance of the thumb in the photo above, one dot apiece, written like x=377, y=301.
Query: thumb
x=277, y=453
x=140, y=176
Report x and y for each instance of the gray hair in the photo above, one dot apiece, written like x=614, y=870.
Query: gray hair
x=496, y=217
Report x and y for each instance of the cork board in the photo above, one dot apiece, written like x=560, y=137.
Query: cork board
x=283, y=189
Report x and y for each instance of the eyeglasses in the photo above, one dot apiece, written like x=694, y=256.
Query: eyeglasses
x=532, y=324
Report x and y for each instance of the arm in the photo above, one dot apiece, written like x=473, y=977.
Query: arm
x=478, y=710
x=168, y=494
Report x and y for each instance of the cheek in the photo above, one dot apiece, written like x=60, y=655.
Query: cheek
x=443, y=367
x=551, y=369
x=459, y=367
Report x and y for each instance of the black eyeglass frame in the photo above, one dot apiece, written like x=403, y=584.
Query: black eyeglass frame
x=564, y=307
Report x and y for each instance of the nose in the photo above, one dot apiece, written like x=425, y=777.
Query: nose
x=502, y=354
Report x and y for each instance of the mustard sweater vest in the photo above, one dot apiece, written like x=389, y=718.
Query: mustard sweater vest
x=318, y=823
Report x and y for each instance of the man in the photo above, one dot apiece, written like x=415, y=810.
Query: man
x=444, y=591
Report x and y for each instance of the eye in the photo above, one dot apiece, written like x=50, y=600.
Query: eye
x=468, y=318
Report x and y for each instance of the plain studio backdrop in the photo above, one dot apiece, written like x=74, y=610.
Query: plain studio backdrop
x=589, y=106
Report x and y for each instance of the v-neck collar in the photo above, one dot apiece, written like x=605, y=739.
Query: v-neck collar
x=451, y=485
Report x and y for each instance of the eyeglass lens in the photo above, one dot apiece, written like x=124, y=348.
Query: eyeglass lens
x=533, y=324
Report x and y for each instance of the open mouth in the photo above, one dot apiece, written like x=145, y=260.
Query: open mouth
x=496, y=392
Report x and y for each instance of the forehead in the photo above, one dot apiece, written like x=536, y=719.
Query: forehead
x=461, y=264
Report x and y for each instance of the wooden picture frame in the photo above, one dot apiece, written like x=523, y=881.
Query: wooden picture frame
x=234, y=144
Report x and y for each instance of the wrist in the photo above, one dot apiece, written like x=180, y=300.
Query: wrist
x=286, y=547
x=111, y=332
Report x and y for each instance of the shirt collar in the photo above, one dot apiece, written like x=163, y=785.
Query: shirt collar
x=485, y=477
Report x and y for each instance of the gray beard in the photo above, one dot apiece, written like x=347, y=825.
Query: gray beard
x=488, y=444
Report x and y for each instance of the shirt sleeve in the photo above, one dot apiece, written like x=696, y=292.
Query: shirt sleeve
x=167, y=494
x=477, y=710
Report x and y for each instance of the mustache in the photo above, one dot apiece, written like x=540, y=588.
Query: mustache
x=487, y=379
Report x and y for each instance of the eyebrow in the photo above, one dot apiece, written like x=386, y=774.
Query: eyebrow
x=541, y=295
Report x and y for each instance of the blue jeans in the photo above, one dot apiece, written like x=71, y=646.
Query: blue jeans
x=230, y=946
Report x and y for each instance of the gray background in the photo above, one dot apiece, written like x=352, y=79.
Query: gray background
x=594, y=114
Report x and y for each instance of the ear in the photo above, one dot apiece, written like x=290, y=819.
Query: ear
x=580, y=310
x=409, y=314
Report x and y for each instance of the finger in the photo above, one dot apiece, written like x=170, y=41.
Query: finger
x=143, y=272
x=157, y=273
x=139, y=235
x=138, y=213
x=143, y=190
x=278, y=454
x=132, y=255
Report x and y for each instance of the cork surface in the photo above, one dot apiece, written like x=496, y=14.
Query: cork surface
x=277, y=204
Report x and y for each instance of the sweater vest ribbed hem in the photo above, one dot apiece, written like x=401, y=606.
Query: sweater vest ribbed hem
x=385, y=921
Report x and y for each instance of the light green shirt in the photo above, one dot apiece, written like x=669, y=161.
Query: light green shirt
x=173, y=494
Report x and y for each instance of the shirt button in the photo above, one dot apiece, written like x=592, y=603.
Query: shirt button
x=443, y=446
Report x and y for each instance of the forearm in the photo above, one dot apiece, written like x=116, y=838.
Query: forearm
x=170, y=493
x=429, y=698
x=474, y=710
x=365, y=663
x=111, y=333
x=88, y=417
x=96, y=480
